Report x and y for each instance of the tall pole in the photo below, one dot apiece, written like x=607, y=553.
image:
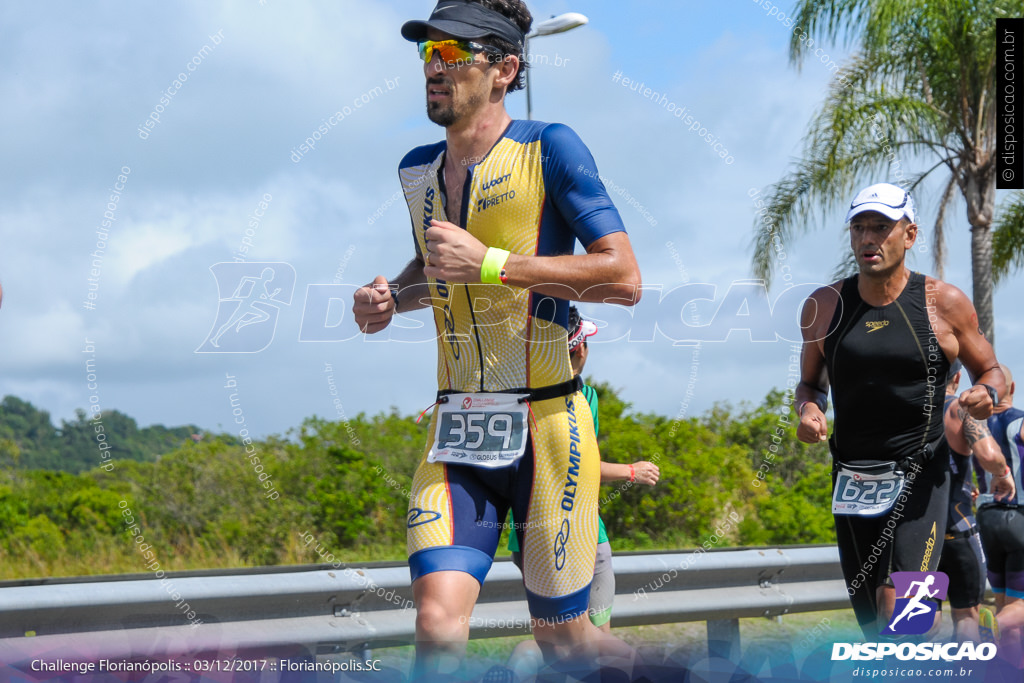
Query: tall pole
x=529, y=100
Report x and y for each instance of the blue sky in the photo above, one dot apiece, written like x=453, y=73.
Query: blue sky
x=80, y=81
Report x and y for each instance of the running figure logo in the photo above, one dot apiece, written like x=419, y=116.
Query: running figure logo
x=247, y=317
x=914, y=613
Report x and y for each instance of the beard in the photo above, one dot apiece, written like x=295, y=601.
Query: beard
x=441, y=114
x=449, y=113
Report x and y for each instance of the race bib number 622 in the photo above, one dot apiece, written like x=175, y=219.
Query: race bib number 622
x=866, y=495
x=485, y=430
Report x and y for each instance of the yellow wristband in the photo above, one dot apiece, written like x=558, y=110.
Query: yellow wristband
x=490, y=269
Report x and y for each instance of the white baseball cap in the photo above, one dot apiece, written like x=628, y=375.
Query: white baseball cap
x=889, y=200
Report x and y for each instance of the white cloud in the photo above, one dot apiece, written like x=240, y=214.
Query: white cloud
x=52, y=336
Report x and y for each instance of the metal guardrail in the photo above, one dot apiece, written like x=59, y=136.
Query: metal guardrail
x=333, y=610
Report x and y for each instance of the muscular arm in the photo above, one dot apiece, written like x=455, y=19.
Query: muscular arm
x=607, y=272
x=811, y=395
x=973, y=349
x=981, y=443
x=984, y=447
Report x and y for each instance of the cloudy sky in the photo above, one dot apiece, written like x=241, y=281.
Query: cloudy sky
x=138, y=298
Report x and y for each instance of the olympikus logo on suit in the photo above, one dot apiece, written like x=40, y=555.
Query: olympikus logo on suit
x=573, y=471
x=442, y=286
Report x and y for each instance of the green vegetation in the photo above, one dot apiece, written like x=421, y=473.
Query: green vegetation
x=343, y=489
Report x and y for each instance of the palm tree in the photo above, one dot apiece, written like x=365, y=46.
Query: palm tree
x=919, y=89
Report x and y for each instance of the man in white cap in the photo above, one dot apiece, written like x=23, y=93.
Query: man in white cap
x=883, y=340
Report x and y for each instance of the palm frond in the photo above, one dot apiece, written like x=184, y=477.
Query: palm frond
x=1008, y=239
x=875, y=24
x=863, y=131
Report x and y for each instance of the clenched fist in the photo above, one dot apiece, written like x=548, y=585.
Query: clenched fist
x=977, y=402
x=813, y=424
x=374, y=306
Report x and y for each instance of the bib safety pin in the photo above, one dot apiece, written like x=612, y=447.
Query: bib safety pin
x=529, y=407
x=443, y=399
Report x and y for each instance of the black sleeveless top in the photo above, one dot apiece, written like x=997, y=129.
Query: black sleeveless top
x=887, y=373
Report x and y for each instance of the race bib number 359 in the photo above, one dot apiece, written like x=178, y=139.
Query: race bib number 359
x=485, y=430
x=865, y=495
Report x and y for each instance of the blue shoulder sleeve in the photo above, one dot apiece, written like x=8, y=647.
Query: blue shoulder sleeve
x=574, y=186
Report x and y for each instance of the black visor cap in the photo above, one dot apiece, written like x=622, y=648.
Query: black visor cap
x=466, y=20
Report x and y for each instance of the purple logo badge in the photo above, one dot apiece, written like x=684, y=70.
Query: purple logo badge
x=917, y=595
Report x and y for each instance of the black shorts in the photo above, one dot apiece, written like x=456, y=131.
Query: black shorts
x=1002, y=537
x=964, y=562
x=908, y=538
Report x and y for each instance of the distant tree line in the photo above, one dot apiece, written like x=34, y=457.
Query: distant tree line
x=29, y=440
